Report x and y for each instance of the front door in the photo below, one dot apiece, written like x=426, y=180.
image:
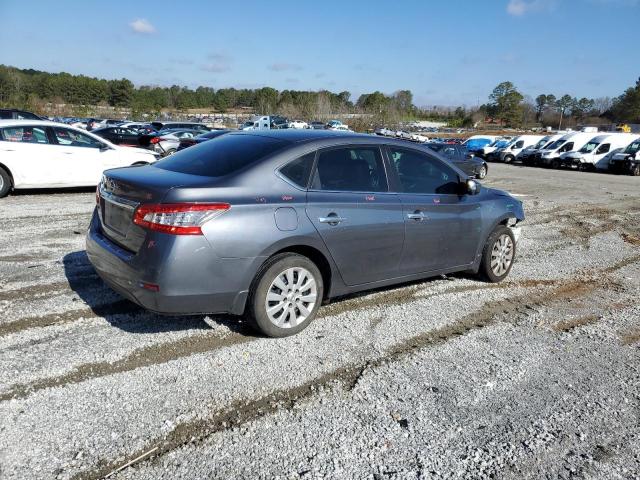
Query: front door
x=442, y=227
x=360, y=222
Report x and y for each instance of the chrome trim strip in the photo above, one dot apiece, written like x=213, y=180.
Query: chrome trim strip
x=119, y=201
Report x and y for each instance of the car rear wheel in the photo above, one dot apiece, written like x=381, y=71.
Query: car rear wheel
x=482, y=172
x=169, y=152
x=635, y=171
x=5, y=183
x=555, y=163
x=498, y=255
x=286, y=295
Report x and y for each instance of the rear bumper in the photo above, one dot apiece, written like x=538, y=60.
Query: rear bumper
x=191, y=279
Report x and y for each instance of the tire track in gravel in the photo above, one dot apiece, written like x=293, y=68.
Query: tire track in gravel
x=169, y=351
x=243, y=411
x=51, y=289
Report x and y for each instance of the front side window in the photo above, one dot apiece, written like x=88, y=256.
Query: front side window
x=420, y=173
x=299, y=170
x=519, y=144
x=25, y=135
x=71, y=138
x=603, y=148
x=541, y=143
x=555, y=145
x=350, y=169
x=567, y=147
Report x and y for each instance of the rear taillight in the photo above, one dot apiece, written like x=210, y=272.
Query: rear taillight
x=155, y=140
x=178, y=218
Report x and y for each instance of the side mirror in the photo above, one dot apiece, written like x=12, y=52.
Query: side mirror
x=104, y=147
x=472, y=187
x=469, y=155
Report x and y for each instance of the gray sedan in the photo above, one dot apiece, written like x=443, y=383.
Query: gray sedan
x=271, y=224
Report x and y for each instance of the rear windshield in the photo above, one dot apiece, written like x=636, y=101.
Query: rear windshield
x=221, y=156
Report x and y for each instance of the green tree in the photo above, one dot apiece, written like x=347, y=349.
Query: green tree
x=563, y=105
x=120, y=93
x=507, y=103
x=626, y=108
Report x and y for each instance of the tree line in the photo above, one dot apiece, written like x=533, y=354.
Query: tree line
x=511, y=108
x=30, y=89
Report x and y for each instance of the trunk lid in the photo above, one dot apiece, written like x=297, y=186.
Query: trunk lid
x=122, y=190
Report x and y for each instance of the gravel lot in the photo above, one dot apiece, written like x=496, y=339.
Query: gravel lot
x=537, y=377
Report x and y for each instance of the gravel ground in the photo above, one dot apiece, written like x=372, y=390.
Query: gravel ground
x=537, y=377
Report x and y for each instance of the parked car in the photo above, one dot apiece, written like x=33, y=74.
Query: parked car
x=184, y=125
x=15, y=114
x=298, y=124
x=571, y=142
x=492, y=147
x=189, y=142
x=627, y=161
x=461, y=158
x=509, y=153
x=337, y=125
x=527, y=156
x=385, y=132
x=42, y=154
x=475, y=142
x=318, y=125
x=166, y=142
x=119, y=135
x=270, y=225
x=596, y=153
x=416, y=137
x=141, y=128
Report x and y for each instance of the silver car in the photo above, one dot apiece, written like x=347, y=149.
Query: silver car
x=272, y=224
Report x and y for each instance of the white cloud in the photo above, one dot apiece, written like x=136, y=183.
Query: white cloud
x=221, y=62
x=142, y=26
x=518, y=8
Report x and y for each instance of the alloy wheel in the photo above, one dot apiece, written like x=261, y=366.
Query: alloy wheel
x=291, y=297
x=501, y=255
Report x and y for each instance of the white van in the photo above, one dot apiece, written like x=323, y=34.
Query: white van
x=628, y=160
x=571, y=142
x=597, y=152
x=527, y=155
x=509, y=153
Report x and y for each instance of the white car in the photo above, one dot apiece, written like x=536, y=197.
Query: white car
x=416, y=137
x=298, y=124
x=41, y=154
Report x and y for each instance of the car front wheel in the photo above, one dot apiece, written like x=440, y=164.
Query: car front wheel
x=286, y=295
x=498, y=255
x=482, y=172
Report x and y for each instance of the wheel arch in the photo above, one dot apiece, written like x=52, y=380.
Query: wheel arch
x=317, y=257
x=6, y=169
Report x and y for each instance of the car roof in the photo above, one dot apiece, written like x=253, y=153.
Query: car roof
x=42, y=123
x=295, y=135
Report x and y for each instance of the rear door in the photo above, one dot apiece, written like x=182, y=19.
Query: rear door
x=442, y=228
x=360, y=222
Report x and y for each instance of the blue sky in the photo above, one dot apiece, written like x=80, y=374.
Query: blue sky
x=445, y=52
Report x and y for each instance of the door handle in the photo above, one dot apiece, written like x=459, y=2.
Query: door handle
x=332, y=219
x=418, y=216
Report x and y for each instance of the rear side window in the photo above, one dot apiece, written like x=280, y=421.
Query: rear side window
x=221, y=156
x=24, y=135
x=299, y=170
x=420, y=173
x=350, y=169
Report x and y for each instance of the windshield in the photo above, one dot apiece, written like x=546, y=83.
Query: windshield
x=589, y=147
x=633, y=148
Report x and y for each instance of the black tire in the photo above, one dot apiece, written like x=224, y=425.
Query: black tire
x=635, y=171
x=482, y=173
x=509, y=158
x=5, y=183
x=486, y=271
x=256, y=312
x=169, y=152
x=555, y=164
